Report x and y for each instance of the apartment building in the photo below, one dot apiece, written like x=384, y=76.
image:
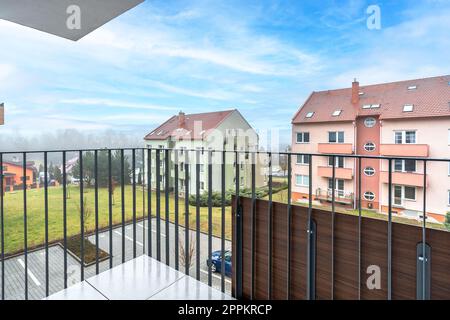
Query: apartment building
x=222, y=130
x=404, y=119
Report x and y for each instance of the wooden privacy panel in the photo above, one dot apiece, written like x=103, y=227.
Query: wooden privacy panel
x=374, y=248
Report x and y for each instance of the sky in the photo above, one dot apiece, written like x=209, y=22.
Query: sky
x=261, y=57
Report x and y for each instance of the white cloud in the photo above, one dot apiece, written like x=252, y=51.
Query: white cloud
x=114, y=104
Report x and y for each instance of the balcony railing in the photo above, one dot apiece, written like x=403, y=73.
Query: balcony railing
x=335, y=148
x=53, y=237
x=404, y=150
x=340, y=173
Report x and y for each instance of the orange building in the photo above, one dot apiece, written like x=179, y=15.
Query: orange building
x=13, y=175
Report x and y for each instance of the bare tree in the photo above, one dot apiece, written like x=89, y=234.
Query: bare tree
x=87, y=213
x=187, y=260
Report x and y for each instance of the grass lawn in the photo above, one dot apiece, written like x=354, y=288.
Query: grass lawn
x=14, y=225
x=282, y=196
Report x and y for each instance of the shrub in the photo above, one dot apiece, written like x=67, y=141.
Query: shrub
x=216, y=197
x=447, y=221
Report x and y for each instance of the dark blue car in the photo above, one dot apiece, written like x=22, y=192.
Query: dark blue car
x=216, y=262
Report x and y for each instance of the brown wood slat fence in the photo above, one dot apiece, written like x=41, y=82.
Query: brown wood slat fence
x=374, y=250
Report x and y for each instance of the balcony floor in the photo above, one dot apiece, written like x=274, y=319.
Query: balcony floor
x=143, y=278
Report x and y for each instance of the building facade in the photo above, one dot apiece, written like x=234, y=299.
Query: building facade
x=404, y=119
x=223, y=130
x=13, y=175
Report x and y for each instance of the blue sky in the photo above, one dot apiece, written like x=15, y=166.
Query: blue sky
x=262, y=57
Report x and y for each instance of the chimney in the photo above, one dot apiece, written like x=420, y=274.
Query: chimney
x=355, y=92
x=181, y=119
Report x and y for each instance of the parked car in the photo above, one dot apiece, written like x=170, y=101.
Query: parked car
x=216, y=262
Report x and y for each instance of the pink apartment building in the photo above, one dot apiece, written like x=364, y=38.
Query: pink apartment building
x=405, y=118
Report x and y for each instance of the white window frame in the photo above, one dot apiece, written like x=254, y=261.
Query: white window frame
x=408, y=107
x=337, y=113
x=403, y=198
x=338, y=192
x=336, y=162
x=404, y=166
x=403, y=133
x=302, y=157
x=369, y=175
x=365, y=196
x=337, y=136
x=370, y=118
x=374, y=146
x=302, y=184
x=309, y=115
x=302, y=133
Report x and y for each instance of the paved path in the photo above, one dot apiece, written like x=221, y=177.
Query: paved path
x=15, y=267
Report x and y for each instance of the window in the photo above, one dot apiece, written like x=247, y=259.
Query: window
x=339, y=162
x=336, y=136
x=370, y=122
x=369, y=195
x=370, y=106
x=302, y=180
x=339, y=186
x=302, y=159
x=309, y=114
x=369, y=146
x=408, y=108
x=302, y=137
x=337, y=113
x=412, y=88
x=369, y=171
x=410, y=193
x=404, y=193
x=405, y=137
x=405, y=165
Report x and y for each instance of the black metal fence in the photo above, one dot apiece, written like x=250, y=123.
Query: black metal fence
x=157, y=168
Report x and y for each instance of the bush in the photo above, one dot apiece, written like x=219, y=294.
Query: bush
x=216, y=197
x=447, y=221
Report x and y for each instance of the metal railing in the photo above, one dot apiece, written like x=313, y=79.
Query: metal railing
x=154, y=193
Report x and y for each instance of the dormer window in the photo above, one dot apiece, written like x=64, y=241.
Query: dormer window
x=361, y=93
x=337, y=113
x=410, y=88
x=408, y=108
x=309, y=115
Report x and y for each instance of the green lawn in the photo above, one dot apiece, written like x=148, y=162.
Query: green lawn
x=13, y=209
x=13, y=214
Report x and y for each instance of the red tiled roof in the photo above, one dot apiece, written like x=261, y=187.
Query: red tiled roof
x=170, y=128
x=431, y=98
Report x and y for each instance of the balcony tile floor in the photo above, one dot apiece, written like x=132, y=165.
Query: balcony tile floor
x=142, y=278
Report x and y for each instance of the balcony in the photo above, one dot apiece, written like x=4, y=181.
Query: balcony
x=340, y=173
x=86, y=244
x=143, y=278
x=340, y=196
x=404, y=150
x=335, y=148
x=403, y=178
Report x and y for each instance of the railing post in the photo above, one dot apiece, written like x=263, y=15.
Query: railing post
x=239, y=234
